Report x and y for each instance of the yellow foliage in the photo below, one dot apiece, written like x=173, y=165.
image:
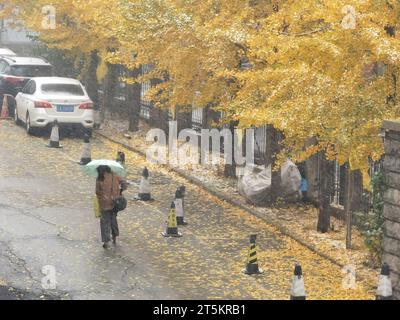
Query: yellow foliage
x=102, y=70
x=323, y=69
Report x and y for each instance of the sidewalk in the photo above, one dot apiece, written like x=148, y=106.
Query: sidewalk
x=296, y=221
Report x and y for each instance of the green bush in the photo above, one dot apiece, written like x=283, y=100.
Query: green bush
x=372, y=222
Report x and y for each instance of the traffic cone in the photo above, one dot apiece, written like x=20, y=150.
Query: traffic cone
x=182, y=189
x=144, y=187
x=172, y=227
x=121, y=157
x=384, y=290
x=297, y=291
x=86, y=153
x=179, y=208
x=5, y=114
x=252, y=263
x=55, y=136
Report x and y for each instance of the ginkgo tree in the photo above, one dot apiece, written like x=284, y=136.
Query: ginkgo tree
x=325, y=70
x=320, y=69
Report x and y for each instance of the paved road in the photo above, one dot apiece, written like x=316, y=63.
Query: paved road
x=46, y=219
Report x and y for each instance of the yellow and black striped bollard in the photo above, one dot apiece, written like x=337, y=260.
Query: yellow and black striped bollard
x=252, y=262
x=172, y=227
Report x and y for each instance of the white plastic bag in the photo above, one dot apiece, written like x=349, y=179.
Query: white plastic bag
x=255, y=184
x=291, y=179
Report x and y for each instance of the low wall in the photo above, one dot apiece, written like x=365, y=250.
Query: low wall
x=391, y=241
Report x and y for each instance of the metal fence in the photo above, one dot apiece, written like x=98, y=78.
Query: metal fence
x=338, y=187
x=260, y=139
x=197, y=119
x=145, y=103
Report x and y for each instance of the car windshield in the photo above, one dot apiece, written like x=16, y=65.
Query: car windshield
x=62, y=88
x=31, y=71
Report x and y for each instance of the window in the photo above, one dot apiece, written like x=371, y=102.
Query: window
x=27, y=87
x=62, y=89
x=3, y=66
x=32, y=88
x=31, y=71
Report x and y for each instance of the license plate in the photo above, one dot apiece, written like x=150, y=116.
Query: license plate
x=65, y=108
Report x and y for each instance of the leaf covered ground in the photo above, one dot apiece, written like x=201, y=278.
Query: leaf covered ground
x=207, y=262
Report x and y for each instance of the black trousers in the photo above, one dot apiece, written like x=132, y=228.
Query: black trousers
x=108, y=225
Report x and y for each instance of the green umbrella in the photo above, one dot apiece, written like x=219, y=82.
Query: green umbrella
x=91, y=168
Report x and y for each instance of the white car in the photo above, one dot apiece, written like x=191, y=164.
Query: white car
x=46, y=99
x=5, y=52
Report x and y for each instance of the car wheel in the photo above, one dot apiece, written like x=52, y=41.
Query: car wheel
x=28, y=127
x=16, y=118
x=88, y=132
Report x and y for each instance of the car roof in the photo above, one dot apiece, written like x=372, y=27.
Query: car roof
x=49, y=80
x=27, y=61
x=7, y=52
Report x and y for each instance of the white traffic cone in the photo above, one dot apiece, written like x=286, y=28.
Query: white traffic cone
x=144, y=187
x=86, y=153
x=55, y=136
x=5, y=113
x=384, y=290
x=297, y=291
x=179, y=208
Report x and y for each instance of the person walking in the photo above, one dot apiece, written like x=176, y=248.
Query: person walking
x=108, y=187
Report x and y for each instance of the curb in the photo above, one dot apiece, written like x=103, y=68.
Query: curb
x=231, y=201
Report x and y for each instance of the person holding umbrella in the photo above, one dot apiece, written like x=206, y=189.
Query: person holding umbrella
x=109, y=187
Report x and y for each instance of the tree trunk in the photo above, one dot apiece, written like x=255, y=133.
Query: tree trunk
x=90, y=79
x=92, y=85
x=275, y=138
x=351, y=176
x=134, y=91
x=110, y=83
x=324, y=178
x=356, y=191
x=230, y=169
x=184, y=118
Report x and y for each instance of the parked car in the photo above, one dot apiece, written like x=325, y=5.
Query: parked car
x=46, y=99
x=15, y=72
x=5, y=52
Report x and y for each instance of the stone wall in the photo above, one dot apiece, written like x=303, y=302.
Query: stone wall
x=391, y=242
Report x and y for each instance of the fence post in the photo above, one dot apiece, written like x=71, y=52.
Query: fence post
x=348, y=207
